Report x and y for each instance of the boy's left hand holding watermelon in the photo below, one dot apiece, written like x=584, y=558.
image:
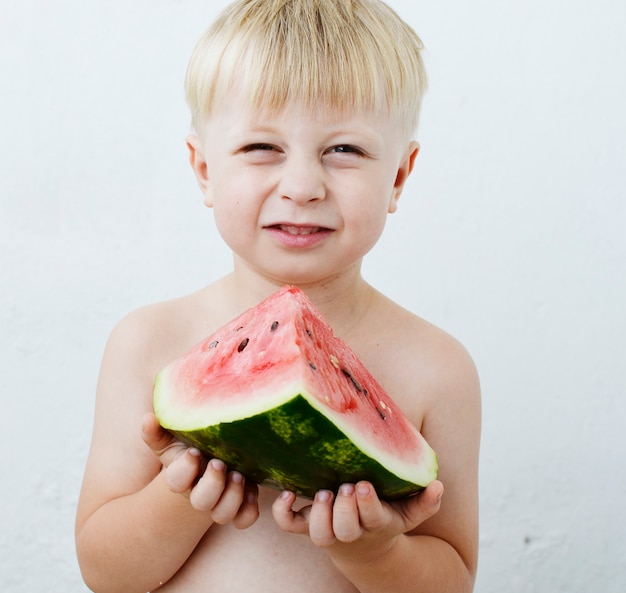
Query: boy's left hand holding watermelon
x=359, y=530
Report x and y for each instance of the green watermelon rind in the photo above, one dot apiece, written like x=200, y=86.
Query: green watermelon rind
x=182, y=420
x=295, y=447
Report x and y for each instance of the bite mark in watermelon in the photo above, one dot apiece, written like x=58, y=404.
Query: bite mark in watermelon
x=277, y=396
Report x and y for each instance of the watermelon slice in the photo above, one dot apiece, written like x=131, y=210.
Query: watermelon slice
x=277, y=396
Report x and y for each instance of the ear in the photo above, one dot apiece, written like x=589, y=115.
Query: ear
x=199, y=166
x=404, y=170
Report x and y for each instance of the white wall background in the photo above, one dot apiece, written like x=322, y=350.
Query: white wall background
x=511, y=236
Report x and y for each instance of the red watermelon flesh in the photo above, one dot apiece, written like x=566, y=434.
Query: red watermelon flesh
x=276, y=395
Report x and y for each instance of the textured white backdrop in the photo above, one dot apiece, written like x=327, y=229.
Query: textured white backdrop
x=510, y=236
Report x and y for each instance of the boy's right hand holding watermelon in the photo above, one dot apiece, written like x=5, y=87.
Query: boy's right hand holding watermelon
x=226, y=495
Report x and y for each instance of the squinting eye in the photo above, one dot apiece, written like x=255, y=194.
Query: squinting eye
x=346, y=148
x=258, y=146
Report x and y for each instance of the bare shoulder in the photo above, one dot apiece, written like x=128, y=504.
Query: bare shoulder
x=155, y=331
x=155, y=334
x=423, y=365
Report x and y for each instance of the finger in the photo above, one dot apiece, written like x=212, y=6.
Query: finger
x=207, y=492
x=286, y=518
x=416, y=509
x=232, y=497
x=249, y=510
x=346, y=525
x=182, y=473
x=321, y=519
x=372, y=514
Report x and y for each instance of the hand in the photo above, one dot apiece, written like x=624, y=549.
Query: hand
x=356, y=516
x=210, y=487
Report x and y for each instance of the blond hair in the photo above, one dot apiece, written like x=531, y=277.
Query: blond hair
x=344, y=54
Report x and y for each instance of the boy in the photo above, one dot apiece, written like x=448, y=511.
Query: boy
x=303, y=113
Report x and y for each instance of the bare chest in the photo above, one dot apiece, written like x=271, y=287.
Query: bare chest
x=260, y=558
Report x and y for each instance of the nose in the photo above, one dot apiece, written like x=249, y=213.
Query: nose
x=302, y=180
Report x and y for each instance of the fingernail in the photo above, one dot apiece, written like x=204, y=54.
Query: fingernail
x=236, y=477
x=194, y=452
x=362, y=489
x=218, y=465
x=323, y=496
x=347, y=489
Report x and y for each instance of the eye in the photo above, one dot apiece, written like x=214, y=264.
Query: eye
x=346, y=149
x=258, y=146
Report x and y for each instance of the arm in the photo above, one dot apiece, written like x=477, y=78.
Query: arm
x=137, y=521
x=424, y=543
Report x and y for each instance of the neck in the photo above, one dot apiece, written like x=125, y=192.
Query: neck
x=341, y=299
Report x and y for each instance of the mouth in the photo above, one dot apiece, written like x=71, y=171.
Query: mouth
x=293, y=229
x=298, y=236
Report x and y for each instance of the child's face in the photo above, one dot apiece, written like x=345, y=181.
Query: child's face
x=300, y=196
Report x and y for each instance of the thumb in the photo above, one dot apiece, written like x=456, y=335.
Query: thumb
x=416, y=509
x=157, y=438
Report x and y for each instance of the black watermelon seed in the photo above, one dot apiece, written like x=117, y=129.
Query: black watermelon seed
x=380, y=412
x=213, y=344
x=312, y=365
x=243, y=344
x=274, y=326
x=356, y=384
